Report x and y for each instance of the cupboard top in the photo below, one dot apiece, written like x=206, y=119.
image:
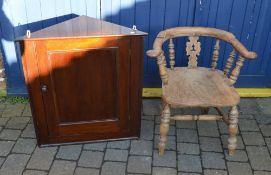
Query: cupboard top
x=80, y=27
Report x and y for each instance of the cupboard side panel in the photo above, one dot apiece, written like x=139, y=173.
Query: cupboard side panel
x=32, y=78
x=136, y=83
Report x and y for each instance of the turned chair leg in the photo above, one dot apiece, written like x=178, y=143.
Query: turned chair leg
x=164, y=127
x=233, y=128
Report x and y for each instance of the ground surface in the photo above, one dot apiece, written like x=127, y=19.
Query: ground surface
x=193, y=147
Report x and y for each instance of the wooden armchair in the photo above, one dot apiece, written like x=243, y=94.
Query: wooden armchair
x=194, y=86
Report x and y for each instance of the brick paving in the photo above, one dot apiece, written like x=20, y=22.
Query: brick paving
x=193, y=148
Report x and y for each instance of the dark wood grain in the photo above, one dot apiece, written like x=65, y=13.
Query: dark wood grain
x=92, y=86
x=82, y=26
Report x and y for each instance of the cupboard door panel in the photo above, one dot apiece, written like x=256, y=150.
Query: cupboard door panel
x=76, y=71
x=86, y=90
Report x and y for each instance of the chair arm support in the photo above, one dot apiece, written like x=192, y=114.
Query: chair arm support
x=161, y=62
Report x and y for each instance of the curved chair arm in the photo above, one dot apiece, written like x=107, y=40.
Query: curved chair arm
x=200, y=31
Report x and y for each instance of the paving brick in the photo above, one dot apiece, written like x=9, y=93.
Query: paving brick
x=210, y=144
x=257, y=138
x=246, y=116
x=141, y=147
x=186, y=124
x=5, y=147
x=223, y=128
x=3, y=121
x=171, y=131
x=26, y=146
x=208, y=128
x=10, y=134
x=164, y=171
x=1, y=161
x=248, y=106
x=151, y=107
x=27, y=111
x=263, y=118
x=248, y=125
x=113, y=168
x=95, y=146
x=259, y=158
x=86, y=171
x=262, y=173
x=17, y=122
x=42, y=158
x=116, y=155
x=166, y=160
x=188, y=148
x=268, y=143
x=237, y=168
x=215, y=172
x=124, y=144
x=146, y=130
x=139, y=164
x=91, y=159
x=176, y=111
x=29, y=131
x=187, y=135
x=189, y=163
x=34, y=172
x=170, y=145
x=264, y=105
x=240, y=144
x=213, y=160
x=191, y=111
x=148, y=117
x=266, y=130
x=69, y=152
x=61, y=167
x=13, y=110
x=14, y=164
x=240, y=156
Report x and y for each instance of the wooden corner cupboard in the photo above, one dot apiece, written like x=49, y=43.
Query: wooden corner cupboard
x=84, y=78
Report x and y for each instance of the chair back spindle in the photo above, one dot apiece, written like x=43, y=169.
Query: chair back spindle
x=229, y=63
x=193, y=50
x=236, y=71
x=171, y=54
x=215, y=54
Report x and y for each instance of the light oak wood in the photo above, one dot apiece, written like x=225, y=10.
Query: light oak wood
x=164, y=127
x=193, y=50
x=194, y=86
x=200, y=87
x=196, y=117
x=171, y=54
x=200, y=31
x=215, y=54
x=229, y=63
x=233, y=128
x=236, y=71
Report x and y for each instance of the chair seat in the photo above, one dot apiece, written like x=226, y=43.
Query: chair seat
x=198, y=87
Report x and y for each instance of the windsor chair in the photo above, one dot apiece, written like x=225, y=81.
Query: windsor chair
x=193, y=86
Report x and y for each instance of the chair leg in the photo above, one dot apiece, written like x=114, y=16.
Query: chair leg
x=164, y=127
x=204, y=111
x=233, y=128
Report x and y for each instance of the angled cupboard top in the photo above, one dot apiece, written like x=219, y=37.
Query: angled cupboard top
x=82, y=26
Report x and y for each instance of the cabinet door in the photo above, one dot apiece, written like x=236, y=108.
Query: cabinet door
x=85, y=86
